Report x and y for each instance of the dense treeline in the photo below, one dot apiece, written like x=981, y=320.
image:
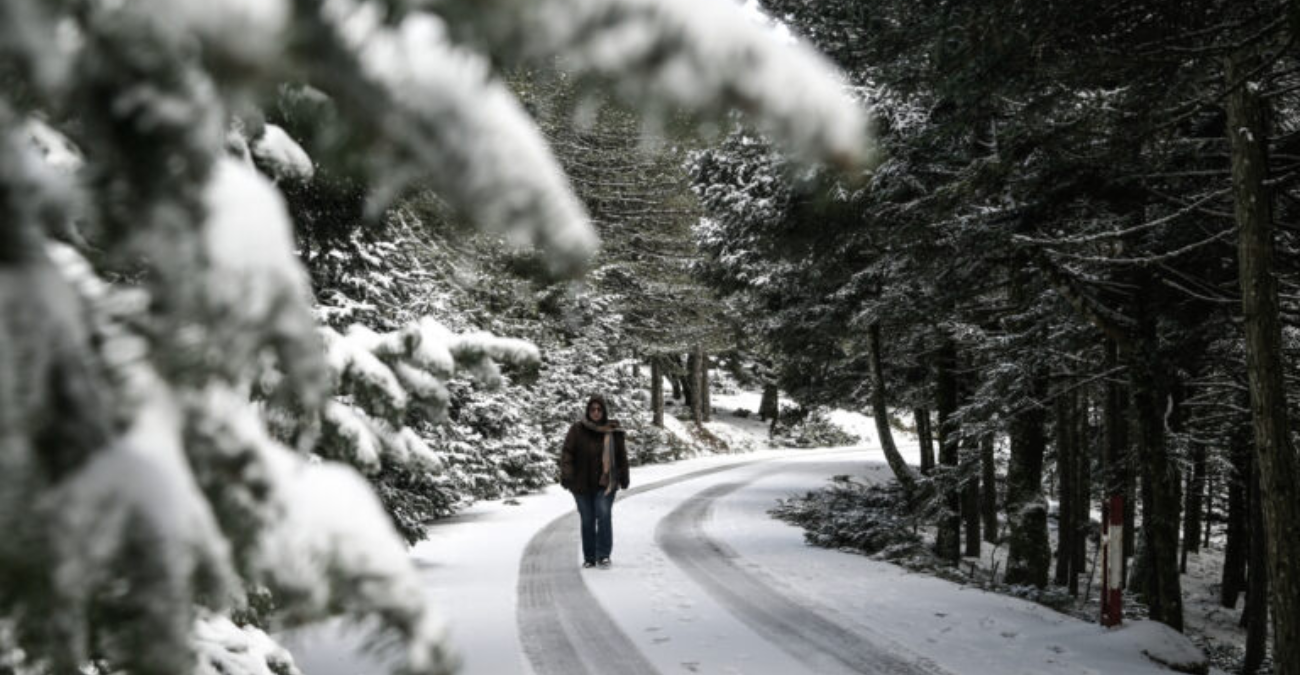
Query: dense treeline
x=1082, y=241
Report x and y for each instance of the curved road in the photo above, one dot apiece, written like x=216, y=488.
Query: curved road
x=565, y=631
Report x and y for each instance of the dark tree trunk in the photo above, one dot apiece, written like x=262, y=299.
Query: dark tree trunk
x=695, y=379
x=1236, y=548
x=947, y=543
x=1276, y=461
x=1211, y=486
x=1065, y=465
x=1255, y=615
x=676, y=382
x=1192, y=504
x=989, y=490
x=1115, y=452
x=706, y=401
x=926, y=437
x=970, y=495
x=1083, y=453
x=902, y=472
x=769, y=405
x=1029, y=552
x=657, y=392
x=1160, y=502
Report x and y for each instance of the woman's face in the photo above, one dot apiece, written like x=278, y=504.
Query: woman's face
x=595, y=412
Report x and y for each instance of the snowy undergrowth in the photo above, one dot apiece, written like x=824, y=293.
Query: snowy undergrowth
x=874, y=520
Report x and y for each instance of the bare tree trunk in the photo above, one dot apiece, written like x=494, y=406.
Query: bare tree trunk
x=768, y=405
x=1255, y=615
x=970, y=495
x=902, y=472
x=706, y=401
x=947, y=544
x=1065, y=464
x=925, y=435
x=1160, y=503
x=1211, y=486
x=695, y=381
x=1029, y=553
x=1276, y=461
x=657, y=392
x=1083, y=492
x=1115, y=452
x=1237, y=548
x=989, y=489
x=1192, y=504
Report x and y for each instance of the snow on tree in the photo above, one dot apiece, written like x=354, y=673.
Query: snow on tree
x=169, y=408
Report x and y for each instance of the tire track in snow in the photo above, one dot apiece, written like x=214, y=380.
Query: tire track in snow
x=562, y=627
x=796, y=627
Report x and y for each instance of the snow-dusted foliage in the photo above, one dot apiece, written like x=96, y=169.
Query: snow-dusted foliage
x=846, y=514
x=702, y=55
x=382, y=377
x=172, y=418
x=810, y=428
x=281, y=156
x=227, y=649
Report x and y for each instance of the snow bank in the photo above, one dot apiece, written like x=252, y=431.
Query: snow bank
x=1161, y=644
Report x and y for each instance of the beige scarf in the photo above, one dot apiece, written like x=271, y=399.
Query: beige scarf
x=606, y=455
x=607, y=464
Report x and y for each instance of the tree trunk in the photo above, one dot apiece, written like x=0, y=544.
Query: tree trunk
x=1065, y=464
x=1029, y=553
x=706, y=401
x=1236, y=548
x=926, y=437
x=1192, y=504
x=989, y=490
x=902, y=472
x=1115, y=452
x=676, y=382
x=657, y=392
x=1276, y=462
x=1160, y=502
x=1210, y=490
x=1083, y=489
x=695, y=380
x=970, y=495
x=947, y=544
x=1255, y=615
x=768, y=405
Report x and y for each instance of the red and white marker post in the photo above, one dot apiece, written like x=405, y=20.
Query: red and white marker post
x=1112, y=561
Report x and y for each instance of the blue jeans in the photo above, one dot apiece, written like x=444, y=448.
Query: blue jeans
x=596, y=509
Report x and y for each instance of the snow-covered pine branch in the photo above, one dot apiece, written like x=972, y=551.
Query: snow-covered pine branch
x=705, y=56
x=449, y=124
x=382, y=376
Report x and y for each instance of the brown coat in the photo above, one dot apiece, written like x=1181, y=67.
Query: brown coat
x=580, y=467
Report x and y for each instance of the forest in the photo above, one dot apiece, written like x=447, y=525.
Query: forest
x=285, y=284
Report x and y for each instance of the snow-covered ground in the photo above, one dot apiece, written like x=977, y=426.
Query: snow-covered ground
x=704, y=581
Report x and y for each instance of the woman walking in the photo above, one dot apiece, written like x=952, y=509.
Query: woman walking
x=593, y=466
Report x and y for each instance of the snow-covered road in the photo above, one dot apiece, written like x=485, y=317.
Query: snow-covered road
x=704, y=581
